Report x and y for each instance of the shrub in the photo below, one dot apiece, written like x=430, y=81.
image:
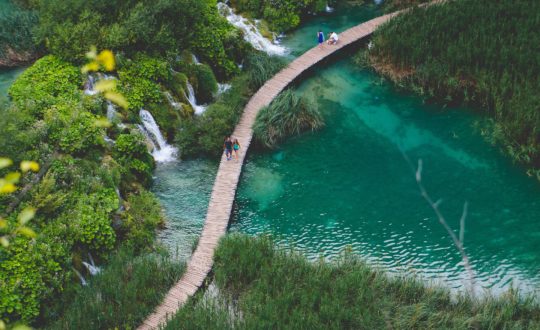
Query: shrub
x=131, y=152
x=287, y=115
x=139, y=80
x=140, y=220
x=48, y=82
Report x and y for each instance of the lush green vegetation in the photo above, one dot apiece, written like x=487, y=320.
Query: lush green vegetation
x=78, y=193
x=473, y=52
x=91, y=195
x=265, y=287
x=159, y=28
x=203, y=135
x=282, y=15
x=120, y=296
x=288, y=115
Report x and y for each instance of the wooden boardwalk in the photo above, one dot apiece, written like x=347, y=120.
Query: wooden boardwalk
x=228, y=175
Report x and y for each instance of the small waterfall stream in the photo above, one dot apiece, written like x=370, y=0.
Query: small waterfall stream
x=199, y=109
x=251, y=32
x=172, y=102
x=162, y=152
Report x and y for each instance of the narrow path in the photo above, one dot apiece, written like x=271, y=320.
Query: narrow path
x=228, y=175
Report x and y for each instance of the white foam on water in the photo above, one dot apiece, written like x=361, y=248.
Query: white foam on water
x=251, y=32
x=162, y=152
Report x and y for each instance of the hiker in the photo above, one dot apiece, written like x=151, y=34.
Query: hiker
x=320, y=38
x=236, y=148
x=228, y=145
x=333, y=38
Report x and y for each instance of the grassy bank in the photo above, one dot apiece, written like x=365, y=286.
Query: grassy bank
x=477, y=53
x=271, y=288
x=119, y=297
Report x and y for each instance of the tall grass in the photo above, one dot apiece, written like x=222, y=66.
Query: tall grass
x=275, y=289
x=16, y=36
x=478, y=52
x=122, y=295
x=288, y=115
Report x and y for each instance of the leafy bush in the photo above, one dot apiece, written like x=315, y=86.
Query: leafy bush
x=132, y=154
x=160, y=28
x=139, y=80
x=269, y=288
x=92, y=221
x=282, y=15
x=48, y=82
x=122, y=295
x=143, y=215
x=287, y=115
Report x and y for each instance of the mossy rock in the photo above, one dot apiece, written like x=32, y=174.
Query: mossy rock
x=204, y=82
x=166, y=117
x=186, y=111
x=178, y=85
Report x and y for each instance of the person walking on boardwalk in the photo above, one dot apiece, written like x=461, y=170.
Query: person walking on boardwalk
x=228, y=146
x=320, y=38
x=236, y=148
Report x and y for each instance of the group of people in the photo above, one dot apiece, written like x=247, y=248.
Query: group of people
x=231, y=147
x=332, y=38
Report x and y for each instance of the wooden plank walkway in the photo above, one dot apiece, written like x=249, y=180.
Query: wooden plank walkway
x=228, y=175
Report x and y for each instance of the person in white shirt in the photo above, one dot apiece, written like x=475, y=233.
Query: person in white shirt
x=333, y=38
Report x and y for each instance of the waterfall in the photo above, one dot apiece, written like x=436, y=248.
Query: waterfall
x=92, y=268
x=195, y=59
x=199, y=109
x=162, y=152
x=172, y=102
x=89, y=85
x=329, y=9
x=222, y=88
x=251, y=33
x=111, y=112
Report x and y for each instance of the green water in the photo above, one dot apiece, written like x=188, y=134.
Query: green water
x=349, y=185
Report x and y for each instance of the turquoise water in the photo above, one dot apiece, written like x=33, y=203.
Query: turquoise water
x=7, y=77
x=350, y=185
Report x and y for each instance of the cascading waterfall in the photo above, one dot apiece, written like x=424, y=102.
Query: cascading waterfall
x=162, y=152
x=195, y=59
x=199, y=109
x=89, y=85
x=172, y=102
x=251, y=33
x=111, y=112
x=329, y=9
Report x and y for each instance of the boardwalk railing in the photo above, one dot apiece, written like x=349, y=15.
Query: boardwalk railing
x=228, y=175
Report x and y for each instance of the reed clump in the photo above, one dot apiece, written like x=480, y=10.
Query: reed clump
x=288, y=115
x=262, y=286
